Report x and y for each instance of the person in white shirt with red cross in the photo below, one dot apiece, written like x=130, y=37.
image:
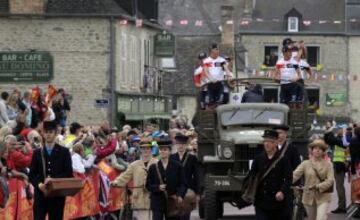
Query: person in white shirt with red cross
x=288, y=72
x=216, y=68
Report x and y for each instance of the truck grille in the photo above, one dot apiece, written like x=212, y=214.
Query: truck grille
x=247, y=151
x=243, y=154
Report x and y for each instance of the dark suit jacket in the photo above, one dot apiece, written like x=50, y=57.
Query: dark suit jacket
x=191, y=170
x=279, y=179
x=174, y=179
x=58, y=165
x=292, y=154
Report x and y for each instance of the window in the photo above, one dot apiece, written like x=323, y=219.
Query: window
x=271, y=95
x=271, y=55
x=132, y=64
x=293, y=24
x=123, y=52
x=314, y=99
x=313, y=55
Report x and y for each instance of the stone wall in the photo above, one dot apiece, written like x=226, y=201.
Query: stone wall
x=354, y=70
x=333, y=57
x=80, y=50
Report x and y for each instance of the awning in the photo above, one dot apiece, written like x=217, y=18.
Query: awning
x=146, y=116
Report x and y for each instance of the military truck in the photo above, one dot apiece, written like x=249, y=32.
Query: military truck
x=230, y=136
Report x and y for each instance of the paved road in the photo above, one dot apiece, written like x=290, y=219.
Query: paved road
x=232, y=213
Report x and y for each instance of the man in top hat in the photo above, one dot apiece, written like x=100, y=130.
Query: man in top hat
x=137, y=171
x=190, y=164
x=270, y=199
x=165, y=179
x=292, y=154
x=58, y=164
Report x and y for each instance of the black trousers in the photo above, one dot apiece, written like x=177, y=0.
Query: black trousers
x=185, y=217
x=160, y=215
x=262, y=214
x=215, y=90
x=288, y=92
x=54, y=207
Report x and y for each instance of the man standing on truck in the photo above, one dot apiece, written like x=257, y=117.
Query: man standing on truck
x=200, y=79
x=288, y=72
x=292, y=154
x=216, y=68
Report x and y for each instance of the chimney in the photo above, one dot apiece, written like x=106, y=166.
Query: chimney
x=227, y=29
x=36, y=7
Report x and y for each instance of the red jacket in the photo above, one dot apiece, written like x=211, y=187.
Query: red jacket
x=104, y=151
x=18, y=160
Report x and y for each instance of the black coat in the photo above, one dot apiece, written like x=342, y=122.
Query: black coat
x=191, y=170
x=279, y=179
x=174, y=179
x=58, y=165
x=292, y=154
x=354, y=153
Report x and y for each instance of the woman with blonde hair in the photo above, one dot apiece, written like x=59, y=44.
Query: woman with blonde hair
x=5, y=131
x=12, y=106
x=319, y=181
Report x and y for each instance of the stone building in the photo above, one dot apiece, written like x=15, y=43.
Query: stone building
x=353, y=30
x=259, y=28
x=320, y=24
x=95, y=47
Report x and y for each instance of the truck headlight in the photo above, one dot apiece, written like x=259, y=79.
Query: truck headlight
x=227, y=152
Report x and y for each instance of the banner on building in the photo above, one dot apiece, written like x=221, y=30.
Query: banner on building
x=336, y=99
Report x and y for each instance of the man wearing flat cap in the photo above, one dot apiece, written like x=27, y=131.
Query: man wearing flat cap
x=165, y=180
x=292, y=154
x=190, y=164
x=270, y=199
x=58, y=164
x=137, y=171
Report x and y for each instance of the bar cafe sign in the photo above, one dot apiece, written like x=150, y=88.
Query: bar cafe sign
x=164, y=44
x=25, y=67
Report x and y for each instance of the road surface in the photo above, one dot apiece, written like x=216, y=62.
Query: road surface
x=232, y=213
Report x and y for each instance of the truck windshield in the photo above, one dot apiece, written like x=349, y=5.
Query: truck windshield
x=252, y=116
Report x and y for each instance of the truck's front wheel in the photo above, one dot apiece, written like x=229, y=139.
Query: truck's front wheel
x=211, y=205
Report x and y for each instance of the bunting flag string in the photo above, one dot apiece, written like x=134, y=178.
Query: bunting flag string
x=316, y=77
x=241, y=22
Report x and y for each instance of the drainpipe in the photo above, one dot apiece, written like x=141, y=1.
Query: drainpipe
x=112, y=76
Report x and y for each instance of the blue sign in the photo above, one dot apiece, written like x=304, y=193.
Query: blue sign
x=102, y=103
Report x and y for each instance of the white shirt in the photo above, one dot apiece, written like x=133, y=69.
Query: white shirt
x=303, y=64
x=199, y=71
x=215, y=67
x=287, y=70
x=79, y=164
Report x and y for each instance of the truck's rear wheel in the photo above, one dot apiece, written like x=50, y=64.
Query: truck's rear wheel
x=211, y=206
